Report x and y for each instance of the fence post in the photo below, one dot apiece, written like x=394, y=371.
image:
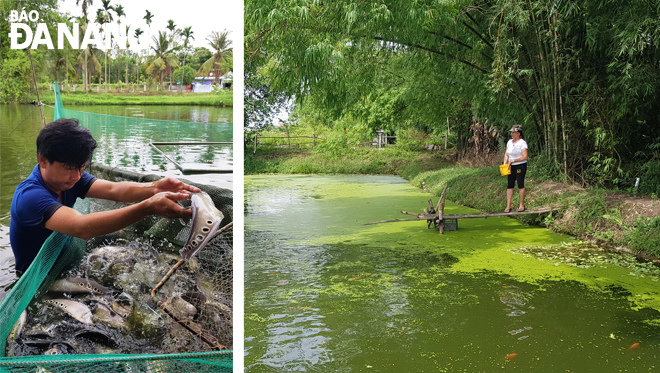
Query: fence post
x=255, y=143
x=313, y=141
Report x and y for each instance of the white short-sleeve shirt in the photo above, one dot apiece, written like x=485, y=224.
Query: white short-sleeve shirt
x=515, y=150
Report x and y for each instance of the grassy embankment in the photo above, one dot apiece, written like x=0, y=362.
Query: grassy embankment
x=224, y=98
x=594, y=214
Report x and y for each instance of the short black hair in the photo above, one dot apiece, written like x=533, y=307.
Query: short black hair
x=65, y=141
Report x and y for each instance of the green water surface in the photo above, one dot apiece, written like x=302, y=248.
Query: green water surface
x=325, y=293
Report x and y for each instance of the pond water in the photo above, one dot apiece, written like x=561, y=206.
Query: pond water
x=122, y=142
x=325, y=293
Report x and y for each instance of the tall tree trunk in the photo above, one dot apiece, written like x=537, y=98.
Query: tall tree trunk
x=182, y=69
x=85, y=74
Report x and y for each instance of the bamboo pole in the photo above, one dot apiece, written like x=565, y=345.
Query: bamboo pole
x=34, y=79
x=36, y=89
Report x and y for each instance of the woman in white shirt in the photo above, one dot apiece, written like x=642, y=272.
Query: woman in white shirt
x=516, y=158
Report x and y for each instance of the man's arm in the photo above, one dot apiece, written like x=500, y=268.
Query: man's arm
x=69, y=221
x=127, y=191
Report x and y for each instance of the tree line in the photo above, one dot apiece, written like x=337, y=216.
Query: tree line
x=168, y=55
x=582, y=77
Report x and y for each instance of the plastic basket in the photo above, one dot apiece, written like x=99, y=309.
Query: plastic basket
x=451, y=225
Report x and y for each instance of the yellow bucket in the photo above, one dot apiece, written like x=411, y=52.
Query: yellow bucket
x=505, y=170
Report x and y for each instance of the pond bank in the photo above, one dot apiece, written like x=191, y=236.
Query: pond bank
x=627, y=222
x=223, y=99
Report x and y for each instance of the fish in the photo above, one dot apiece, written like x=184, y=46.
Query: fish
x=106, y=315
x=205, y=222
x=96, y=336
x=634, y=345
x=15, y=333
x=100, y=257
x=40, y=334
x=181, y=306
x=123, y=305
x=17, y=329
x=195, y=298
x=77, y=310
x=78, y=285
x=106, y=252
x=47, y=343
x=121, y=309
x=510, y=356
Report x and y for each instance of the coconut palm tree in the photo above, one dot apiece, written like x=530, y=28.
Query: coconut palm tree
x=164, y=58
x=84, y=6
x=171, y=26
x=221, y=44
x=88, y=61
x=148, y=17
x=107, y=18
x=128, y=28
x=187, y=35
x=138, y=32
x=119, y=10
x=59, y=59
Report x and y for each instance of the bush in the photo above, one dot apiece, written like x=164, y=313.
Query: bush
x=650, y=178
x=542, y=168
x=646, y=236
x=410, y=139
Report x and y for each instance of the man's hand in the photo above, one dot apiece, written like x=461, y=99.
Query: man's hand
x=170, y=184
x=163, y=204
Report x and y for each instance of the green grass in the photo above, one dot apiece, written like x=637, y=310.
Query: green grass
x=224, y=98
x=354, y=161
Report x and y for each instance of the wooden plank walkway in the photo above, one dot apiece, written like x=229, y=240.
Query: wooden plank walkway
x=437, y=216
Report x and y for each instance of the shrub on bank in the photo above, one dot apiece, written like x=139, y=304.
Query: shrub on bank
x=645, y=237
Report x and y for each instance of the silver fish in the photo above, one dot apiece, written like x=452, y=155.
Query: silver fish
x=77, y=310
x=205, y=222
x=15, y=333
x=77, y=285
x=106, y=315
x=17, y=329
x=181, y=306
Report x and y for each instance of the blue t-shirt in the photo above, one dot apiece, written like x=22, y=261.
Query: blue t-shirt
x=33, y=204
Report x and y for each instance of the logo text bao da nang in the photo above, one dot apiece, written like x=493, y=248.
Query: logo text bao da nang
x=41, y=35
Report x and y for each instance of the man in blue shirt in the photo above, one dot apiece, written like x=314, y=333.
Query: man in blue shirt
x=43, y=202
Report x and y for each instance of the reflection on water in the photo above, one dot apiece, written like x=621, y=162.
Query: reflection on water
x=122, y=142
x=323, y=295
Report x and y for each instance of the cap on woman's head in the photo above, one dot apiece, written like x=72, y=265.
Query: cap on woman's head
x=516, y=128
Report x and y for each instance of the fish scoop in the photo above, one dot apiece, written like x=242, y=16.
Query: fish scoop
x=206, y=220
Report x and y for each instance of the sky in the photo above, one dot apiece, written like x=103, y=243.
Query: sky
x=204, y=16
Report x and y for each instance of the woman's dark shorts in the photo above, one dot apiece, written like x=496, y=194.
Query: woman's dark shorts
x=517, y=173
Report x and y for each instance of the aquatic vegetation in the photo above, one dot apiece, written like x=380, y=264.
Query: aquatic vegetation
x=584, y=254
x=379, y=295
